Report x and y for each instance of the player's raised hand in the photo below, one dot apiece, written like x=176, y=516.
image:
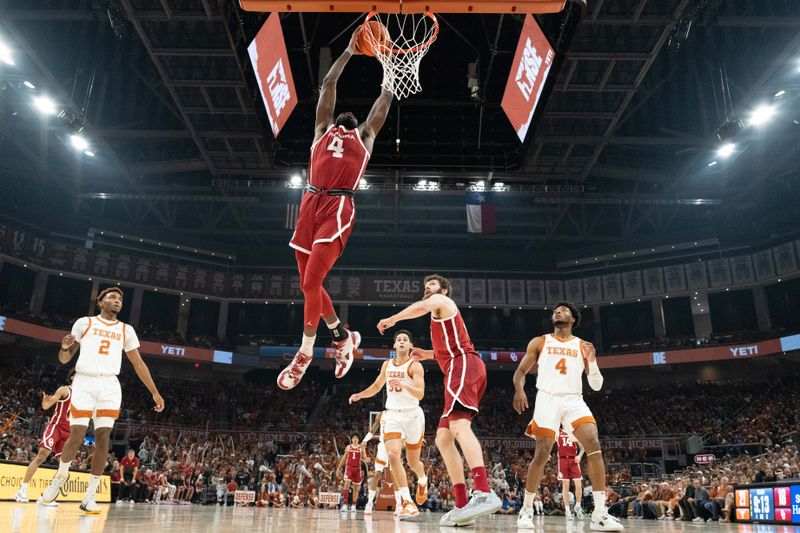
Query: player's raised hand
x=354, y=398
x=520, y=402
x=588, y=351
x=419, y=354
x=159, y=403
x=67, y=341
x=352, y=46
x=385, y=324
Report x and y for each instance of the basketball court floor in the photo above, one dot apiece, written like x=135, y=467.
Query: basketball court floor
x=30, y=518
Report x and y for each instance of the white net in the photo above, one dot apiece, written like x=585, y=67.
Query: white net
x=401, y=51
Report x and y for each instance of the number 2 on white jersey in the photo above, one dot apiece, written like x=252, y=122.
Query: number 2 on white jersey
x=337, y=147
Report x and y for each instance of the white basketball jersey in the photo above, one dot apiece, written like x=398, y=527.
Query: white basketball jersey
x=102, y=344
x=561, y=366
x=399, y=399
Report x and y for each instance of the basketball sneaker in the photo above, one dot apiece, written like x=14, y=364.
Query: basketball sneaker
x=579, y=512
x=368, y=509
x=353, y=508
x=525, y=519
x=481, y=503
x=89, y=506
x=343, y=508
x=51, y=492
x=345, y=352
x=603, y=521
x=43, y=503
x=447, y=520
x=422, y=494
x=20, y=497
x=567, y=513
x=409, y=511
x=292, y=374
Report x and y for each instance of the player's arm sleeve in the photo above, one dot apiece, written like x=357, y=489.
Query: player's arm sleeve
x=79, y=328
x=131, y=340
x=595, y=378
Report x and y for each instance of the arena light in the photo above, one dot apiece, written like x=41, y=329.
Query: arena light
x=761, y=115
x=363, y=184
x=711, y=164
x=44, y=105
x=480, y=183
x=295, y=180
x=5, y=54
x=422, y=183
x=92, y=154
x=79, y=143
x=726, y=150
x=29, y=85
x=779, y=94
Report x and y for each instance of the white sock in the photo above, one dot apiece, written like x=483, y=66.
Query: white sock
x=599, y=501
x=307, y=346
x=405, y=495
x=23, y=488
x=370, y=497
x=94, y=481
x=397, y=499
x=63, y=468
x=333, y=325
x=423, y=480
x=527, y=503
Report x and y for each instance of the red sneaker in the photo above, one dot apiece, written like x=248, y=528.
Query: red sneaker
x=292, y=374
x=345, y=352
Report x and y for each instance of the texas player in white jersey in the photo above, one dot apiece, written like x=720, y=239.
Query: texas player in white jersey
x=562, y=359
x=96, y=393
x=402, y=419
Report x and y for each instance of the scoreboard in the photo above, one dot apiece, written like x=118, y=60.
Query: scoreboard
x=776, y=503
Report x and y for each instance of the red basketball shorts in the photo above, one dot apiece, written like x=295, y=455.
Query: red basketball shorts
x=323, y=219
x=353, y=474
x=464, y=385
x=54, y=438
x=568, y=468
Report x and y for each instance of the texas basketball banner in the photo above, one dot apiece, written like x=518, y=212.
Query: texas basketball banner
x=529, y=72
x=273, y=73
x=73, y=489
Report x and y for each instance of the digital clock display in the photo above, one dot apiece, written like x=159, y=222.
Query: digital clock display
x=768, y=503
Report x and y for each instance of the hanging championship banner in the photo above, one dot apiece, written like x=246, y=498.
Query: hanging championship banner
x=653, y=281
x=674, y=278
x=477, y=291
x=696, y=275
x=573, y=289
x=535, y=292
x=529, y=72
x=592, y=291
x=497, y=291
x=555, y=291
x=273, y=73
x=632, y=284
x=612, y=287
x=785, y=260
x=763, y=265
x=516, y=291
x=720, y=273
x=742, y=269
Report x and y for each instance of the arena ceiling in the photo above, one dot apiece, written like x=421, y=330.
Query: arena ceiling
x=620, y=150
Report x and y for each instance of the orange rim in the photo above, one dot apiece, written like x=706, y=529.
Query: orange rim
x=426, y=44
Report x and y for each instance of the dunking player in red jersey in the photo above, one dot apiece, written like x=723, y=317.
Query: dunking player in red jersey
x=339, y=156
x=569, y=469
x=352, y=473
x=464, y=385
x=55, y=434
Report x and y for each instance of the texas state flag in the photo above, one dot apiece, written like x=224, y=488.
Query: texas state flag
x=480, y=212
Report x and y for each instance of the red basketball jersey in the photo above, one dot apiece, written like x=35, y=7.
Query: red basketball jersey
x=450, y=340
x=60, y=416
x=566, y=448
x=338, y=160
x=353, y=457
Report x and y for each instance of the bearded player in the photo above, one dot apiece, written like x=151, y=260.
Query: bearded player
x=464, y=385
x=339, y=156
x=562, y=358
x=96, y=394
x=405, y=386
x=55, y=433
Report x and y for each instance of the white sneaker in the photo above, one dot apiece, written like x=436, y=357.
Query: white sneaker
x=119, y=502
x=368, y=509
x=698, y=519
x=409, y=511
x=20, y=497
x=89, y=506
x=579, y=512
x=292, y=374
x=525, y=519
x=51, y=492
x=43, y=503
x=353, y=508
x=343, y=508
x=131, y=503
x=567, y=514
x=447, y=520
x=345, y=353
x=604, y=522
x=481, y=503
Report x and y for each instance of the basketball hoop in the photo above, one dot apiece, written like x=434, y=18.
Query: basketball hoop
x=401, y=52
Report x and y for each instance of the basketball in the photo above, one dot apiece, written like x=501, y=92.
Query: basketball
x=379, y=36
